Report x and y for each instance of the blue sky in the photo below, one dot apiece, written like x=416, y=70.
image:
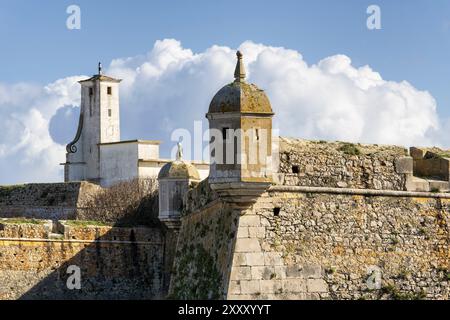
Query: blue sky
x=414, y=43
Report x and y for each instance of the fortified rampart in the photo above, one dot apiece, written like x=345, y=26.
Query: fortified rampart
x=319, y=243
x=340, y=224
x=342, y=165
x=115, y=263
x=46, y=200
x=44, y=229
x=327, y=220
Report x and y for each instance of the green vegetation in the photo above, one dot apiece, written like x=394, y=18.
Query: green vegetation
x=445, y=154
x=5, y=191
x=198, y=265
x=82, y=223
x=330, y=270
x=445, y=272
x=403, y=275
x=350, y=149
x=395, y=294
x=422, y=232
x=21, y=221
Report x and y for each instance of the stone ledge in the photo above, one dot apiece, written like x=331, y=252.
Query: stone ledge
x=79, y=241
x=363, y=192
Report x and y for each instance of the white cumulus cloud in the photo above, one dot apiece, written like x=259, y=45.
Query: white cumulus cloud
x=171, y=86
x=27, y=151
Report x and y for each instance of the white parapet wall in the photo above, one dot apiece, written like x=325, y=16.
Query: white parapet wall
x=127, y=160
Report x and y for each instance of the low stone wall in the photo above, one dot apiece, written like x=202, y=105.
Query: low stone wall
x=326, y=245
x=46, y=200
x=431, y=163
x=129, y=203
x=343, y=165
x=115, y=263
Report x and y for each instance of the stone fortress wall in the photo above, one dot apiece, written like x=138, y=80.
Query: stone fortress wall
x=115, y=263
x=339, y=216
x=41, y=235
x=361, y=166
x=341, y=165
x=45, y=200
x=340, y=223
x=295, y=244
x=337, y=219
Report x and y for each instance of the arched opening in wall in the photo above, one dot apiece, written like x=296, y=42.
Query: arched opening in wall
x=296, y=169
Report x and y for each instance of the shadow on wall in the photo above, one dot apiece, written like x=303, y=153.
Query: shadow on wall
x=125, y=259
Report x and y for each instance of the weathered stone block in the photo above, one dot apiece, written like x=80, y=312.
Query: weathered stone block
x=263, y=273
x=241, y=273
x=312, y=296
x=271, y=286
x=280, y=272
x=417, y=184
x=242, y=232
x=312, y=271
x=317, y=285
x=439, y=185
x=294, y=285
x=294, y=296
x=247, y=245
x=235, y=287
x=257, y=232
x=404, y=165
x=294, y=272
x=239, y=259
x=250, y=287
x=273, y=259
x=278, y=178
x=416, y=153
x=255, y=259
x=249, y=221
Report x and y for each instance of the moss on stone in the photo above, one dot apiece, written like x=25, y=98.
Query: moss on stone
x=396, y=294
x=202, y=266
x=350, y=149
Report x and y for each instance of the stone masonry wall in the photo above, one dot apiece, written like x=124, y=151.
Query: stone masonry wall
x=115, y=263
x=204, y=251
x=338, y=164
x=45, y=200
x=317, y=245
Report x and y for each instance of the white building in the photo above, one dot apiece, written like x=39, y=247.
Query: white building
x=97, y=154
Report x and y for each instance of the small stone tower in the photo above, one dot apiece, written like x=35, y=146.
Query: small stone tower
x=240, y=123
x=99, y=123
x=174, y=181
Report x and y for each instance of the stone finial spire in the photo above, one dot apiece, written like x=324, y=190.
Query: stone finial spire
x=99, y=68
x=239, y=73
x=179, y=152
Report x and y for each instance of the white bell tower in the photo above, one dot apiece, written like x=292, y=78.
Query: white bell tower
x=99, y=123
